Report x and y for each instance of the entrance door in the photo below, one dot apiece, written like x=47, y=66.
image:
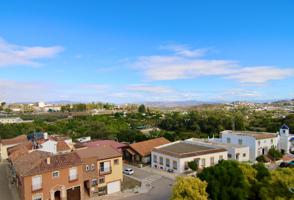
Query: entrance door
x=74, y=193
x=57, y=195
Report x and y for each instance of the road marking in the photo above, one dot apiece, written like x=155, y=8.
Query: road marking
x=152, y=178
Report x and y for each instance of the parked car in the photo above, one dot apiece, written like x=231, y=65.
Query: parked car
x=170, y=170
x=291, y=163
x=128, y=171
x=284, y=164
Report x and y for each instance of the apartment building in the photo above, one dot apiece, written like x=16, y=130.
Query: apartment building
x=40, y=175
x=102, y=170
x=176, y=156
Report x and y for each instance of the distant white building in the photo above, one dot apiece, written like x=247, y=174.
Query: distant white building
x=235, y=151
x=13, y=120
x=258, y=143
x=286, y=140
x=176, y=156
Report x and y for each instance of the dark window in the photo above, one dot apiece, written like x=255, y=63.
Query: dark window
x=102, y=190
x=101, y=180
x=94, y=182
x=116, y=161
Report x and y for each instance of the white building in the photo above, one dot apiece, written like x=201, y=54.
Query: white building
x=177, y=155
x=286, y=140
x=258, y=143
x=13, y=120
x=235, y=151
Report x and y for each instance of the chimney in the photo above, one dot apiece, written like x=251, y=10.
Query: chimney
x=48, y=160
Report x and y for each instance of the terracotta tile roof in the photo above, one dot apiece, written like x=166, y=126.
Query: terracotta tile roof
x=112, y=143
x=62, y=146
x=99, y=152
x=26, y=163
x=18, y=152
x=15, y=140
x=36, y=162
x=144, y=148
x=27, y=144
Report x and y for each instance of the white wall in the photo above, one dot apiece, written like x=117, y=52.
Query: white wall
x=255, y=146
x=182, y=161
x=49, y=146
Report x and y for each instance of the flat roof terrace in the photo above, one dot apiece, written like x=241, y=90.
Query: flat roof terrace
x=184, y=150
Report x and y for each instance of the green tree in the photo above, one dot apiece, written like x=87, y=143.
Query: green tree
x=193, y=165
x=278, y=185
x=189, y=188
x=225, y=181
x=274, y=153
x=262, y=171
x=142, y=109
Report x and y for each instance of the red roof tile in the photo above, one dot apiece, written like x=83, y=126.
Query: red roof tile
x=144, y=148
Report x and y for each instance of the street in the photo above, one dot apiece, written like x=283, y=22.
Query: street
x=161, y=186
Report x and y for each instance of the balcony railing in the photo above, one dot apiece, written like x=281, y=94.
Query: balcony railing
x=73, y=177
x=105, y=170
x=36, y=187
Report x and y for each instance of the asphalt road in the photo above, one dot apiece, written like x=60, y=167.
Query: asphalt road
x=161, y=186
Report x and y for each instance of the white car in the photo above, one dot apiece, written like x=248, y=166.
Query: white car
x=128, y=171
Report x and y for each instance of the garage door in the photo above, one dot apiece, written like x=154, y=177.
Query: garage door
x=113, y=187
x=74, y=193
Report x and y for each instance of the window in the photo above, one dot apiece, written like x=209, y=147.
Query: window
x=203, y=162
x=116, y=161
x=94, y=182
x=55, y=174
x=175, y=165
x=228, y=140
x=92, y=166
x=105, y=167
x=73, y=174
x=155, y=158
x=212, y=161
x=244, y=155
x=221, y=157
x=37, y=197
x=240, y=141
x=167, y=162
x=229, y=155
x=102, y=190
x=87, y=168
x=36, y=183
x=161, y=160
x=258, y=143
x=186, y=166
x=101, y=180
x=272, y=141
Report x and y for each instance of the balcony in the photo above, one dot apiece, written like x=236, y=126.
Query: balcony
x=103, y=171
x=36, y=187
x=73, y=177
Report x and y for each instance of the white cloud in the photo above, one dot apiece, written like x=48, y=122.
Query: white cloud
x=11, y=54
x=260, y=74
x=186, y=64
x=182, y=50
x=149, y=89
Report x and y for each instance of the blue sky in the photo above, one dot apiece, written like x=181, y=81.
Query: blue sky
x=134, y=51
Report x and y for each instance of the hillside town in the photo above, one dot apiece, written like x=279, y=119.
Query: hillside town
x=40, y=166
